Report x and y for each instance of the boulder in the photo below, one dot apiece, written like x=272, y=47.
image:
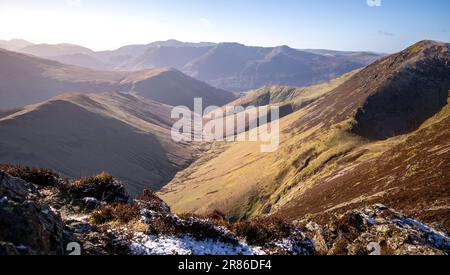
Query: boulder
x=26, y=223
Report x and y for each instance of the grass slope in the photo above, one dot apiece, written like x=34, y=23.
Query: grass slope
x=323, y=163
x=84, y=134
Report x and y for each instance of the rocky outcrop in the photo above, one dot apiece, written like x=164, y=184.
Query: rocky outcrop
x=377, y=230
x=64, y=218
x=31, y=226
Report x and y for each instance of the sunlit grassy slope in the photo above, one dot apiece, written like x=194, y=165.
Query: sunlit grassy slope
x=321, y=143
x=231, y=177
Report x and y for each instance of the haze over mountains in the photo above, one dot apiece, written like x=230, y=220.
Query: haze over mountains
x=14, y=44
x=84, y=121
x=230, y=66
x=371, y=134
x=27, y=79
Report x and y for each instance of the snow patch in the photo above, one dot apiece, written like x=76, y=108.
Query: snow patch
x=167, y=245
x=4, y=201
x=436, y=238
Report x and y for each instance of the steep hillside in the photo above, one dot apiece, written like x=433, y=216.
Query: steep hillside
x=84, y=134
x=328, y=139
x=412, y=175
x=410, y=87
x=288, y=99
x=26, y=80
x=174, y=88
x=296, y=97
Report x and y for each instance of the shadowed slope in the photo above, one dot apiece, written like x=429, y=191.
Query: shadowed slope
x=413, y=175
x=26, y=80
x=415, y=86
x=80, y=135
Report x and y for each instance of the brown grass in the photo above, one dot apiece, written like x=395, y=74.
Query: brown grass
x=192, y=226
x=102, y=187
x=216, y=216
x=100, y=179
x=38, y=176
x=121, y=213
x=260, y=231
x=148, y=196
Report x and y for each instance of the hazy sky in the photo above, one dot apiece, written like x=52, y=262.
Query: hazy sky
x=384, y=25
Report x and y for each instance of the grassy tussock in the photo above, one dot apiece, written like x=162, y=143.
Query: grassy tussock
x=39, y=176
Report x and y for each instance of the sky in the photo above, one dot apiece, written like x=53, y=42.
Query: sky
x=370, y=25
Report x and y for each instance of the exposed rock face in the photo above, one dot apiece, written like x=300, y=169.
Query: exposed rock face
x=152, y=202
x=33, y=227
x=45, y=218
x=8, y=249
x=377, y=230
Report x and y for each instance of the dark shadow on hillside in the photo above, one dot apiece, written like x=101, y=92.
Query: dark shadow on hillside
x=71, y=140
x=405, y=102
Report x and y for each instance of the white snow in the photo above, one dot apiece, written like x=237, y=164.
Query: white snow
x=312, y=226
x=90, y=199
x=438, y=239
x=21, y=247
x=45, y=211
x=78, y=218
x=4, y=200
x=167, y=245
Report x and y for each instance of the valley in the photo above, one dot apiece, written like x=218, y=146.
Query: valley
x=362, y=136
x=328, y=162
x=230, y=66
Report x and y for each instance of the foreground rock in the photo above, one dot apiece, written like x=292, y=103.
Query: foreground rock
x=27, y=226
x=51, y=215
x=377, y=230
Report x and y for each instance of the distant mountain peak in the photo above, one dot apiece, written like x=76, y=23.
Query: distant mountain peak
x=14, y=44
x=405, y=89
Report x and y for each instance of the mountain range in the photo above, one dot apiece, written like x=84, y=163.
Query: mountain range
x=84, y=134
x=117, y=121
x=229, y=66
x=27, y=79
x=374, y=135
x=361, y=134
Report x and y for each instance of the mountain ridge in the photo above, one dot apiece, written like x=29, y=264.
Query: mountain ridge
x=109, y=131
x=27, y=79
x=229, y=65
x=318, y=141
